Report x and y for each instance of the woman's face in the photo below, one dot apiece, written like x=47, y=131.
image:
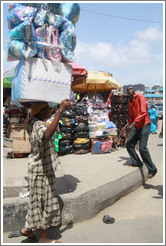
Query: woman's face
x=44, y=112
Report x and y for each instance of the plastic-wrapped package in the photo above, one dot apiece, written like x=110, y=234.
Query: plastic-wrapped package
x=43, y=6
x=67, y=122
x=55, y=8
x=66, y=149
x=13, y=5
x=54, y=20
x=67, y=135
x=71, y=11
x=22, y=40
x=81, y=135
x=82, y=146
x=41, y=33
x=68, y=113
x=66, y=25
x=64, y=129
x=19, y=14
x=81, y=140
x=81, y=151
x=20, y=49
x=67, y=42
x=40, y=18
x=52, y=50
x=101, y=146
x=93, y=127
x=81, y=127
x=24, y=32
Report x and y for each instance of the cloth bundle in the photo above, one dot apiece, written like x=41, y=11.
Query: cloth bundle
x=59, y=20
x=101, y=130
x=101, y=146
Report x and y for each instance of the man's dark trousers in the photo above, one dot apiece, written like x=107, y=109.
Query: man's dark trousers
x=142, y=136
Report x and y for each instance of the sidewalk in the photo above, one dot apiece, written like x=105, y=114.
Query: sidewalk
x=86, y=184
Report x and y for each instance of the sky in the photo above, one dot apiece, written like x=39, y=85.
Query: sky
x=122, y=38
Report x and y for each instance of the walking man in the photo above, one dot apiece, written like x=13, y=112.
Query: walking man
x=139, y=127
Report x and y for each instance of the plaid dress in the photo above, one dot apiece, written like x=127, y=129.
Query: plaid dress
x=43, y=207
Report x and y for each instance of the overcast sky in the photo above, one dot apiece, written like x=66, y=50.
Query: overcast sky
x=122, y=38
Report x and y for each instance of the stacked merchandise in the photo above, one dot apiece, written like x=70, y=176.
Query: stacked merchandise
x=101, y=130
x=66, y=128
x=42, y=36
x=82, y=143
x=120, y=116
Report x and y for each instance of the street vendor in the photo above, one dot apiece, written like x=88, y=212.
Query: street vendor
x=43, y=208
x=13, y=113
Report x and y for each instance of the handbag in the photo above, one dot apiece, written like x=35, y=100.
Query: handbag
x=52, y=49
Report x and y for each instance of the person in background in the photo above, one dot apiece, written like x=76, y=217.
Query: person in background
x=139, y=126
x=43, y=207
x=13, y=113
x=154, y=119
x=161, y=132
x=109, y=105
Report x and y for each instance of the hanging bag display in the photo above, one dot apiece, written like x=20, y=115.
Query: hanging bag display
x=52, y=49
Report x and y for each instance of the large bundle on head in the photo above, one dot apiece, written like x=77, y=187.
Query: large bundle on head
x=46, y=32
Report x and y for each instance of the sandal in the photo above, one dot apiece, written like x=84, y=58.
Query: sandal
x=28, y=234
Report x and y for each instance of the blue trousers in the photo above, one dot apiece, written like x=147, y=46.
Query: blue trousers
x=142, y=136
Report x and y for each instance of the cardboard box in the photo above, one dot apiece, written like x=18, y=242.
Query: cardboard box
x=20, y=137
x=37, y=79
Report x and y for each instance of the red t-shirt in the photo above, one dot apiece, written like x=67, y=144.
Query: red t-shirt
x=138, y=111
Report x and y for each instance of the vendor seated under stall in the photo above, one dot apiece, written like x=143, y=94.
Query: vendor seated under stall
x=13, y=114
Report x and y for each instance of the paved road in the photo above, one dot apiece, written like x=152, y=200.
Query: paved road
x=138, y=216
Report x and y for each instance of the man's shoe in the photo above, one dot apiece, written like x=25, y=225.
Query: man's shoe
x=151, y=175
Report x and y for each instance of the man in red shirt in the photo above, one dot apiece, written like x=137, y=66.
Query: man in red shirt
x=139, y=124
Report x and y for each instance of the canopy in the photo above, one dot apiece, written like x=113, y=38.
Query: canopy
x=8, y=77
x=77, y=69
x=95, y=82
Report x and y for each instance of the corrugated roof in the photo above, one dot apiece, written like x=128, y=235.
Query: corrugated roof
x=152, y=95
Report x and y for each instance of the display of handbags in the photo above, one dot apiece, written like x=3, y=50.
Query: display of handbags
x=120, y=116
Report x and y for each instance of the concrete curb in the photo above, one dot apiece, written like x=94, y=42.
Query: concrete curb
x=75, y=207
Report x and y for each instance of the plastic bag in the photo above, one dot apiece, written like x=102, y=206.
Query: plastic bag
x=100, y=147
x=81, y=127
x=55, y=8
x=67, y=122
x=22, y=40
x=52, y=50
x=68, y=113
x=54, y=20
x=67, y=42
x=41, y=33
x=19, y=14
x=40, y=18
x=71, y=11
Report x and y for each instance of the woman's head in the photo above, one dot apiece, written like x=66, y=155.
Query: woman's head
x=40, y=110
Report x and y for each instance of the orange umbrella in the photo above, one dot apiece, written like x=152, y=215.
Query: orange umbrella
x=95, y=82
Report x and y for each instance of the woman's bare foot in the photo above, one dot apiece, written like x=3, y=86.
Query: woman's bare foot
x=48, y=241
x=30, y=234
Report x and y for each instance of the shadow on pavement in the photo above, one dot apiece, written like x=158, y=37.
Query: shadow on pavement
x=159, y=188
